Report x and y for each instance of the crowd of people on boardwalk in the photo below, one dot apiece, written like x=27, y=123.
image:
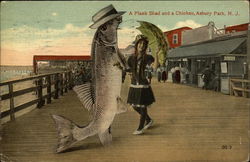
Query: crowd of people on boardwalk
x=81, y=72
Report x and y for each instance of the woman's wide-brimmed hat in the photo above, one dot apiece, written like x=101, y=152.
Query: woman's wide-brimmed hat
x=140, y=37
x=104, y=15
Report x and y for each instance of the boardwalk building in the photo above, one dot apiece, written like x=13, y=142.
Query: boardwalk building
x=224, y=52
x=175, y=37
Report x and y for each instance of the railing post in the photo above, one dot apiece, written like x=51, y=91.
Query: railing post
x=230, y=87
x=48, y=78
x=61, y=84
x=56, y=86
x=66, y=81
x=244, y=92
x=70, y=81
x=40, y=93
x=12, y=106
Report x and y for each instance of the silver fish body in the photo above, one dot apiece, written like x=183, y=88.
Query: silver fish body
x=108, y=84
x=101, y=96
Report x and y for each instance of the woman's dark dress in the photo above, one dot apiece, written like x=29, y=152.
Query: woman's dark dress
x=140, y=92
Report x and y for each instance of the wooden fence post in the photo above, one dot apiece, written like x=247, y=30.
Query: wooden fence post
x=56, y=86
x=61, y=84
x=70, y=81
x=48, y=78
x=40, y=93
x=244, y=92
x=230, y=87
x=66, y=81
x=12, y=106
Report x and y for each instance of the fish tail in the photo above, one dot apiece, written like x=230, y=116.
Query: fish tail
x=106, y=137
x=66, y=130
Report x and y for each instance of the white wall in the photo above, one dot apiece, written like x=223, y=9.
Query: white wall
x=197, y=35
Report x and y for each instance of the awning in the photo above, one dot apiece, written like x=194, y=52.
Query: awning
x=207, y=49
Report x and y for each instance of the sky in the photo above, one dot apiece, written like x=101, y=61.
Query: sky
x=62, y=27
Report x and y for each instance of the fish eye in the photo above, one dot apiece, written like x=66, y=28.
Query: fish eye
x=103, y=27
x=118, y=18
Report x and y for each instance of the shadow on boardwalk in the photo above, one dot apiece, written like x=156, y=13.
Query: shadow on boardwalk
x=190, y=124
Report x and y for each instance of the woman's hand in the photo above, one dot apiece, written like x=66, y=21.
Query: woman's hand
x=117, y=64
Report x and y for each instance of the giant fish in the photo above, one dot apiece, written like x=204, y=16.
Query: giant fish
x=102, y=95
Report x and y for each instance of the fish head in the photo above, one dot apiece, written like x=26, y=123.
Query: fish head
x=109, y=30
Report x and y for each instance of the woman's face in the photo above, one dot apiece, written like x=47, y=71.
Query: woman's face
x=141, y=46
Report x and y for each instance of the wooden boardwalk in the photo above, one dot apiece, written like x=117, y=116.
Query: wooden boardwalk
x=191, y=124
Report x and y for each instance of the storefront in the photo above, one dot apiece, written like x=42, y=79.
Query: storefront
x=225, y=56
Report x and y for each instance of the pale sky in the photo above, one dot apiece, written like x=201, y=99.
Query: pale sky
x=62, y=27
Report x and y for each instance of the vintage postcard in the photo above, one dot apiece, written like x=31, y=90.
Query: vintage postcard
x=125, y=81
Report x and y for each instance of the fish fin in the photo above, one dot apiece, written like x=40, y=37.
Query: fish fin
x=121, y=106
x=106, y=137
x=65, y=129
x=85, y=93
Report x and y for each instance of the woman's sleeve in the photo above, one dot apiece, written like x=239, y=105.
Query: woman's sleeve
x=129, y=64
x=150, y=59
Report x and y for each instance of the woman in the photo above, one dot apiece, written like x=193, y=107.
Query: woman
x=159, y=74
x=164, y=75
x=140, y=94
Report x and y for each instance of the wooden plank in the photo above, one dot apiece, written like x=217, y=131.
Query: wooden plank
x=5, y=113
x=39, y=88
x=192, y=130
x=240, y=80
x=25, y=105
x=241, y=89
x=25, y=79
x=18, y=93
x=18, y=108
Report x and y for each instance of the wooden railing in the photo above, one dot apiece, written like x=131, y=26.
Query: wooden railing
x=62, y=83
x=240, y=87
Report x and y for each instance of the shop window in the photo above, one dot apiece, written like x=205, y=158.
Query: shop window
x=175, y=39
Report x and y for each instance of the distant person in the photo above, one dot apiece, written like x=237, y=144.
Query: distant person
x=215, y=84
x=149, y=73
x=187, y=73
x=159, y=74
x=177, y=76
x=149, y=76
x=164, y=75
x=207, y=75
